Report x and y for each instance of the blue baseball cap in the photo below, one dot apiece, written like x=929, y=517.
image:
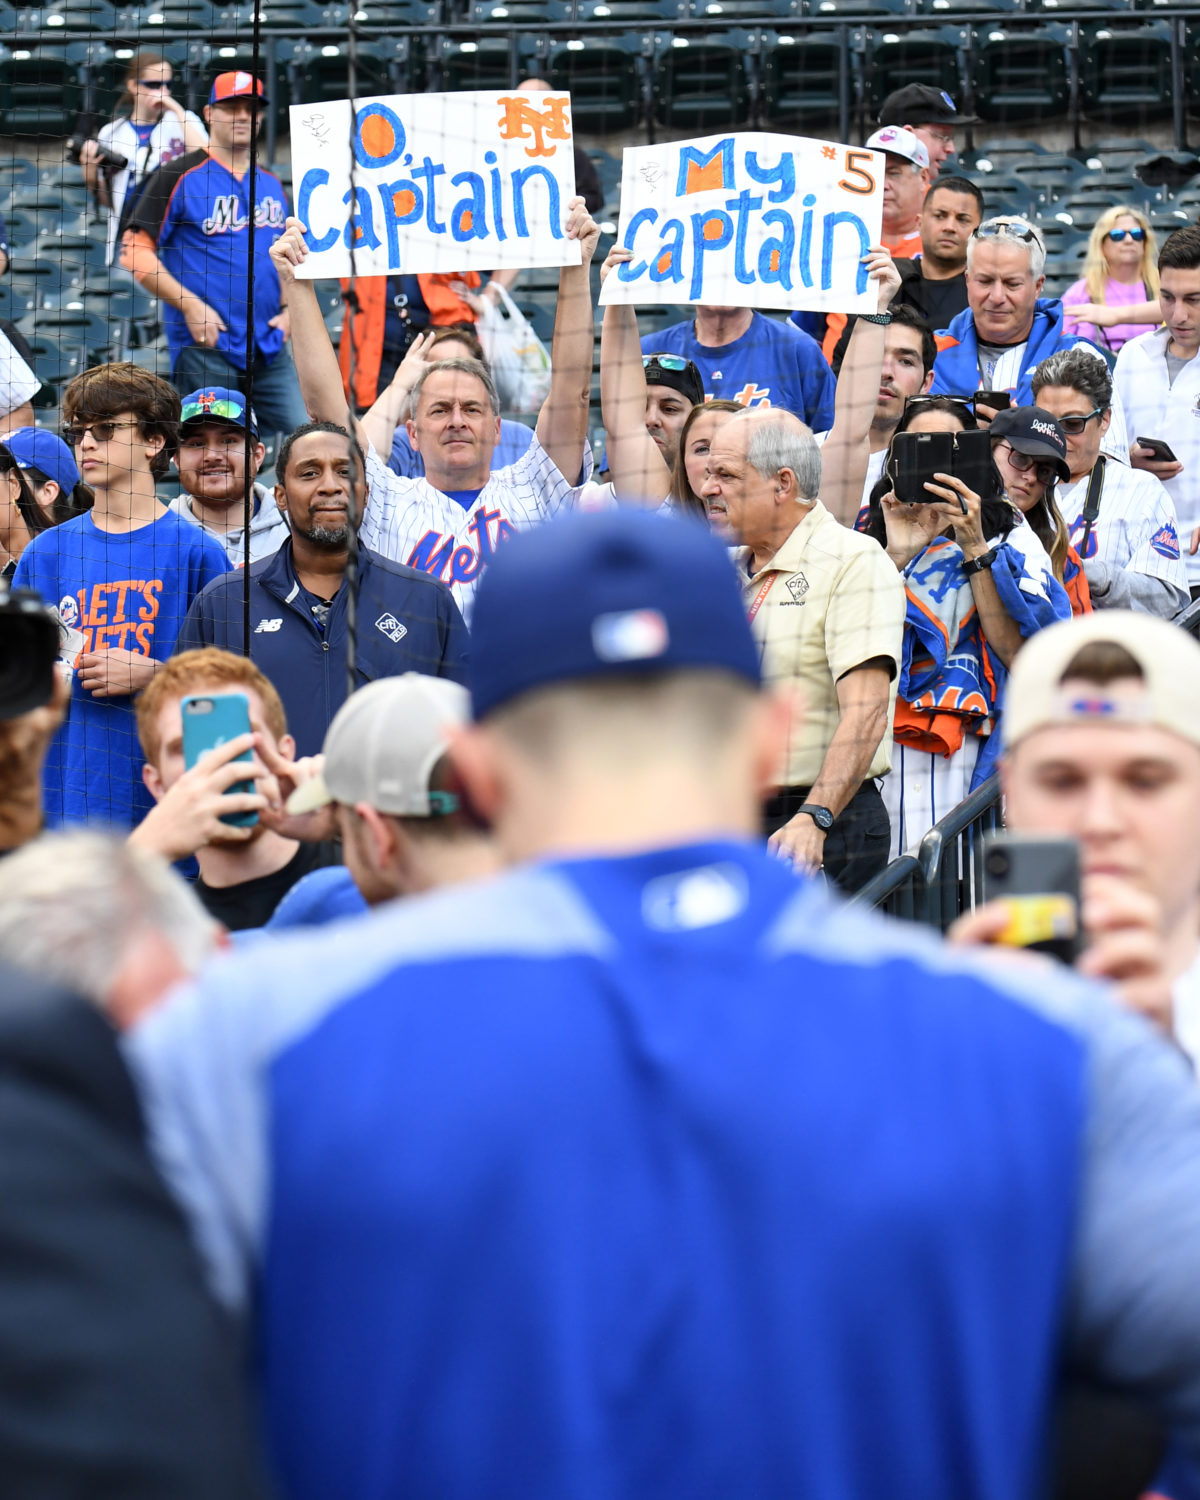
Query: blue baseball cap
x=217, y=403
x=35, y=448
x=613, y=593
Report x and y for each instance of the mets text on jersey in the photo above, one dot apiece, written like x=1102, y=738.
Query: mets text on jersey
x=437, y=551
x=227, y=216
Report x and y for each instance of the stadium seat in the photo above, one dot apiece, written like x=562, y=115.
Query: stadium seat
x=15, y=172
x=607, y=79
x=865, y=10
x=955, y=7
x=631, y=12
x=1117, y=151
x=1104, y=188
x=998, y=155
x=190, y=18
x=725, y=12
x=319, y=71
x=1048, y=177
x=1022, y=75
x=96, y=17
x=701, y=82
x=806, y=77
x=40, y=90
x=495, y=61
x=295, y=16
x=1125, y=74
x=930, y=55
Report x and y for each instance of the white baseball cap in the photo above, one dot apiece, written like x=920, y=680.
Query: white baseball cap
x=383, y=744
x=897, y=141
x=1168, y=657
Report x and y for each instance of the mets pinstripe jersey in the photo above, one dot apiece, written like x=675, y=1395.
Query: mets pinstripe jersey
x=454, y=536
x=1136, y=527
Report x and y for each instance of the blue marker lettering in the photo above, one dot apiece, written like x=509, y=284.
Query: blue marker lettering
x=519, y=178
x=783, y=173
x=497, y=197
x=378, y=137
x=314, y=178
x=668, y=265
x=742, y=205
x=429, y=170
x=401, y=201
x=701, y=172
x=806, y=240
x=629, y=270
x=844, y=216
x=711, y=231
x=468, y=217
x=359, y=232
x=775, y=256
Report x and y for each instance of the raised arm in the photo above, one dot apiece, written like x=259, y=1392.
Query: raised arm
x=639, y=471
x=847, y=449
x=316, y=359
x=391, y=408
x=563, y=420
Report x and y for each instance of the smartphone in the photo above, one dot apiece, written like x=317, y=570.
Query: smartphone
x=1037, y=879
x=916, y=457
x=213, y=719
x=997, y=400
x=1161, y=451
x=973, y=462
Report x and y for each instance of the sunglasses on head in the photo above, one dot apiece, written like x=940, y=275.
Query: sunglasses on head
x=938, y=403
x=1009, y=229
x=198, y=411
x=1117, y=235
x=675, y=362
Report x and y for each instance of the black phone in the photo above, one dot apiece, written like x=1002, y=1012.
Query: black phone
x=997, y=400
x=973, y=462
x=1037, y=879
x=916, y=457
x=1161, y=451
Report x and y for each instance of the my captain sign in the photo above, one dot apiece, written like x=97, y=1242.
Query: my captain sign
x=441, y=182
x=749, y=220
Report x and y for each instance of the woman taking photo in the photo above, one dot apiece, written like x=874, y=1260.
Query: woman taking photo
x=1117, y=297
x=151, y=127
x=979, y=584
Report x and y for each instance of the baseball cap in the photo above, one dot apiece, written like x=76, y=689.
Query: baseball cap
x=218, y=403
x=1035, y=431
x=383, y=744
x=919, y=104
x=897, y=141
x=35, y=448
x=606, y=593
x=1169, y=659
x=236, y=86
x=677, y=372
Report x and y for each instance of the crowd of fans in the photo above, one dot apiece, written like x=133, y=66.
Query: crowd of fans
x=754, y=624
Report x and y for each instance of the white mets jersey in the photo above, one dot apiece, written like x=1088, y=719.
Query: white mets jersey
x=410, y=522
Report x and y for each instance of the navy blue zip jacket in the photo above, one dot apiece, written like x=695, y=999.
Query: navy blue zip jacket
x=407, y=622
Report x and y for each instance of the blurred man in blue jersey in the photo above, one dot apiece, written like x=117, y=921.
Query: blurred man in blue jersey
x=646, y=1169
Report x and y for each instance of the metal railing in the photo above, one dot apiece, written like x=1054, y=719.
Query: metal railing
x=945, y=876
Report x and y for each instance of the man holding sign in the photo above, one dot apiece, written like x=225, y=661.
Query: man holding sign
x=450, y=522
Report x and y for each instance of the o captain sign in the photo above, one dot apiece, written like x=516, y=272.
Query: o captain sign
x=440, y=182
x=749, y=220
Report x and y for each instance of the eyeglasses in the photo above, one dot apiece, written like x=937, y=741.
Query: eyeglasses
x=1117, y=235
x=1023, y=462
x=939, y=403
x=941, y=135
x=1008, y=229
x=196, y=411
x=102, y=432
x=1073, y=426
x=674, y=362
x=155, y=83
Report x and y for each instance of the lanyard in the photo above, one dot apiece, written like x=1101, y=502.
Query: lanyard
x=764, y=589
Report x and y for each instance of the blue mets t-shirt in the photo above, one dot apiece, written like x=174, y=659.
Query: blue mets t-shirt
x=126, y=591
x=197, y=212
x=772, y=364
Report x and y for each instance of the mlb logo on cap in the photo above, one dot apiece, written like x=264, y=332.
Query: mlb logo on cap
x=633, y=635
x=236, y=86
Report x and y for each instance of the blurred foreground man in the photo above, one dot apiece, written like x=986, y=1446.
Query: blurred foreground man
x=118, y=1375
x=645, y=1169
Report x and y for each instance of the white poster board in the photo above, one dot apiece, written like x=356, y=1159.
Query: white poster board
x=749, y=220
x=441, y=183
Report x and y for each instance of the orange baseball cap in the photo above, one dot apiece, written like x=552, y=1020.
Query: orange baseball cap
x=236, y=86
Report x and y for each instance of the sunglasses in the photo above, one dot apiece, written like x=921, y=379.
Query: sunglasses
x=1023, y=462
x=154, y=83
x=198, y=410
x=1117, y=235
x=675, y=362
x=102, y=432
x=1073, y=426
x=1009, y=229
x=939, y=403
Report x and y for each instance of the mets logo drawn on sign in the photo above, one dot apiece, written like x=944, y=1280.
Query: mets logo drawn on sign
x=391, y=627
x=632, y=635
x=797, y=586
x=1165, y=542
x=68, y=610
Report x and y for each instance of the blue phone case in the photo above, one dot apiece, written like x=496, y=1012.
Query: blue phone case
x=212, y=719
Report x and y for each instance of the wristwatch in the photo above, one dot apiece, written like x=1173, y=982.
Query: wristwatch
x=980, y=563
x=821, y=816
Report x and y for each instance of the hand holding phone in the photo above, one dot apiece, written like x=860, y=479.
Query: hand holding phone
x=1159, y=451
x=1037, y=881
x=213, y=719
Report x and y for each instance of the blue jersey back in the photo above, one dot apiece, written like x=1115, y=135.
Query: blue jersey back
x=198, y=214
x=772, y=364
x=665, y=1176
x=127, y=591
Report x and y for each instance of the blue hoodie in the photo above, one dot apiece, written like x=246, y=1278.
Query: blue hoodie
x=956, y=369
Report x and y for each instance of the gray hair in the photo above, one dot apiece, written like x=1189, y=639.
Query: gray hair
x=778, y=441
x=468, y=367
x=1078, y=370
x=993, y=230
x=72, y=903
